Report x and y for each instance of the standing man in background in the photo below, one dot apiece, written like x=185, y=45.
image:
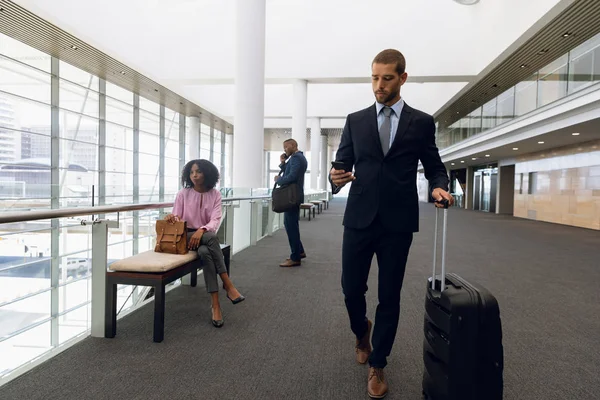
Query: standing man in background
x=293, y=172
x=383, y=143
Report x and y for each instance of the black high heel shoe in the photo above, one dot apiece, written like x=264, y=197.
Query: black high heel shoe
x=238, y=300
x=217, y=323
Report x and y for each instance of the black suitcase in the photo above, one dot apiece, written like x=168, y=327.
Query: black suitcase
x=463, y=351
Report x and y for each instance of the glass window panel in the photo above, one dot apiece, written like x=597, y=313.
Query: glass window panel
x=79, y=127
x=172, y=149
x=506, y=106
x=205, y=129
x=149, y=189
x=79, y=99
x=79, y=154
x=20, y=281
x=205, y=142
x=23, y=313
x=149, y=144
x=74, y=323
x=78, y=76
x=119, y=160
x=117, y=92
x=148, y=163
x=75, y=239
x=205, y=154
x=171, y=130
x=171, y=188
x=552, y=86
x=118, y=184
x=21, y=52
x=581, y=71
x=597, y=64
x=554, y=65
x=149, y=106
x=526, y=95
x=489, y=114
x=25, y=347
x=24, y=115
x=73, y=294
x=24, y=81
x=119, y=112
x=585, y=47
x=172, y=167
x=119, y=251
x=119, y=137
x=149, y=122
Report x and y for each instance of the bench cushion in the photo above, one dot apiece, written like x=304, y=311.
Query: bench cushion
x=306, y=205
x=151, y=261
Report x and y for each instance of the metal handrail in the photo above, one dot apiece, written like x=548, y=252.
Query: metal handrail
x=9, y=218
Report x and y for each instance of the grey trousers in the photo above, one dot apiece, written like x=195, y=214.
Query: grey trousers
x=212, y=260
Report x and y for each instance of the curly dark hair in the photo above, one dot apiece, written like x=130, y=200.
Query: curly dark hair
x=208, y=169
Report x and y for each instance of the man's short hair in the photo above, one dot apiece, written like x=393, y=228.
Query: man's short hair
x=391, y=56
x=293, y=141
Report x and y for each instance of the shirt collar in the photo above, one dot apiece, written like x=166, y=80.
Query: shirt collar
x=397, y=107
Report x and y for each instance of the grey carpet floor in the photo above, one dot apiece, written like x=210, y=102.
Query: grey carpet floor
x=290, y=339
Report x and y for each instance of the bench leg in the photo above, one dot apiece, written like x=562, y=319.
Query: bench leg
x=110, y=312
x=159, y=313
x=314, y=215
x=194, y=277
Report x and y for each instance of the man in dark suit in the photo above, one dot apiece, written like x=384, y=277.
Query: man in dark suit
x=383, y=143
x=293, y=172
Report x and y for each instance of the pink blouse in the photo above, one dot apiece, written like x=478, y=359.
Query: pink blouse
x=200, y=210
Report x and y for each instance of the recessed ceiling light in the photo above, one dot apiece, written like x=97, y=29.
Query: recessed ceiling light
x=575, y=134
x=474, y=158
x=515, y=148
x=1, y=9
x=156, y=90
x=544, y=51
x=541, y=142
x=467, y=2
x=523, y=65
x=122, y=72
x=74, y=47
x=487, y=155
x=462, y=162
x=451, y=163
x=566, y=34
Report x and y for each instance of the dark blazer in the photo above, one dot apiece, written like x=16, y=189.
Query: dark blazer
x=294, y=171
x=387, y=186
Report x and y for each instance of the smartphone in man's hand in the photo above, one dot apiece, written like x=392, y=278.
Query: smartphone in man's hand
x=338, y=165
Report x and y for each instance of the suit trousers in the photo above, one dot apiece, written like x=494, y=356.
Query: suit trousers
x=213, y=263
x=358, y=248
x=292, y=227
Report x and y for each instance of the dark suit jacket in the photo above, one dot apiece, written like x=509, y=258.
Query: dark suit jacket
x=294, y=171
x=387, y=186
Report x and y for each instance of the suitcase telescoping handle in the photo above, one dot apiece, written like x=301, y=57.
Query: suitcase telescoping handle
x=445, y=203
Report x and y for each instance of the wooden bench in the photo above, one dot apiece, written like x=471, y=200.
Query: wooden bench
x=309, y=207
x=319, y=204
x=156, y=270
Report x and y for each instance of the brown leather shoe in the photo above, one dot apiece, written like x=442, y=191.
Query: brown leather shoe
x=290, y=263
x=363, y=346
x=377, y=386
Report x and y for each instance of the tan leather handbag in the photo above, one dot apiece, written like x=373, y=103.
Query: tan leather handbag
x=171, y=237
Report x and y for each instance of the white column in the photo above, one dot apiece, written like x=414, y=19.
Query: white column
x=299, y=115
x=230, y=162
x=248, y=139
x=192, y=137
x=324, y=163
x=315, y=147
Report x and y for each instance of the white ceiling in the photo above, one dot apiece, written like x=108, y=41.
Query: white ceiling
x=188, y=45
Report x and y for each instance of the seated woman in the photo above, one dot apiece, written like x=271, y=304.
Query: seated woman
x=199, y=203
